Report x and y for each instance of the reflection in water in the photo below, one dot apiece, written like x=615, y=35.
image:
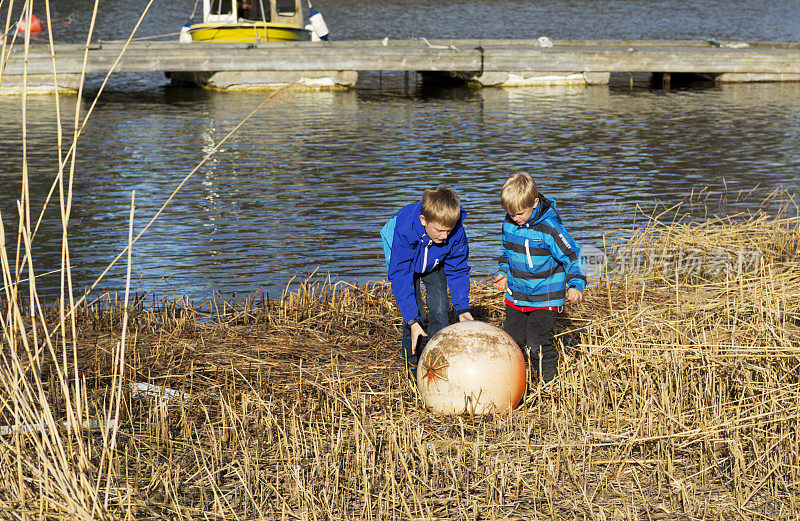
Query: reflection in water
x=308, y=182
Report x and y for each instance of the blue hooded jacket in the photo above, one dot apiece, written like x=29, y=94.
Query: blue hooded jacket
x=409, y=251
x=540, y=259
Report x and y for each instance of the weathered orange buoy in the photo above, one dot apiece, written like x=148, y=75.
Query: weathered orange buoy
x=35, y=25
x=471, y=367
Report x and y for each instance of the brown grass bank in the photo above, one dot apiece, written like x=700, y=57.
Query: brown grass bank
x=678, y=398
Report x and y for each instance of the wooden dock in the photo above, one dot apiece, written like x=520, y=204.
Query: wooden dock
x=739, y=61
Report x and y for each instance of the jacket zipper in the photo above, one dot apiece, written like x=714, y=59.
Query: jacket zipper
x=425, y=259
x=528, y=253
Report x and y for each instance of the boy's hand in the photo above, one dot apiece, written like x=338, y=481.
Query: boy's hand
x=416, y=332
x=463, y=317
x=573, y=295
x=500, y=282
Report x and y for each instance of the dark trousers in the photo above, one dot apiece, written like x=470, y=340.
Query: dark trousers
x=533, y=333
x=438, y=311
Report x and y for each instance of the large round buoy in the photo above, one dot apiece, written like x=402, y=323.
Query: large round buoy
x=35, y=25
x=471, y=367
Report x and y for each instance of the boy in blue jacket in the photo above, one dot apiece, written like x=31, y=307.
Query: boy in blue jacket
x=540, y=265
x=425, y=241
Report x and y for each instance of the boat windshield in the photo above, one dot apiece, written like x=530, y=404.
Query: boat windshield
x=251, y=9
x=221, y=7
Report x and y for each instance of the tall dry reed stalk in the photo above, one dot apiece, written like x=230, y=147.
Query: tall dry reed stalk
x=59, y=439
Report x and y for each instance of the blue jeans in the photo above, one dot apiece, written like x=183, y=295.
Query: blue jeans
x=438, y=311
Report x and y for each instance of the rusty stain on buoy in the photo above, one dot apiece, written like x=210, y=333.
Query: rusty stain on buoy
x=436, y=369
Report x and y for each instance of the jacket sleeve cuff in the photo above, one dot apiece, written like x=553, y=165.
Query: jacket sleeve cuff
x=578, y=284
x=412, y=321
x=462, y=311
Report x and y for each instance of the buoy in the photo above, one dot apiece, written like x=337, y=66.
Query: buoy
x=35, y=25
x=471, y=367
x=312, y=32
x=186, y=35
x=318, y=22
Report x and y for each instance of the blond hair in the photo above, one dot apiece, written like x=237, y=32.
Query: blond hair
x=519, y=192
x=442, y=206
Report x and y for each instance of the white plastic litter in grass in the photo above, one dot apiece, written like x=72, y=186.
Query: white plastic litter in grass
x=143, y=389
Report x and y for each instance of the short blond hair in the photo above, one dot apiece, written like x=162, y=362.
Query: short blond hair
x=441, y=205
x=519, y=192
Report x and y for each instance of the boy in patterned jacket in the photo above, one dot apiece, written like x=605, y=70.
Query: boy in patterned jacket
x=425, y=241
x=539, y=266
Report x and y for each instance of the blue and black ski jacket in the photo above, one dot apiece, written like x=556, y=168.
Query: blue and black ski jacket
x=540, y=259
x=409, y=251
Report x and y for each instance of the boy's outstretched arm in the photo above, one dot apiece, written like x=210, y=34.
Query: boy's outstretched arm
x=456, y=268
x=567, y=252
x=401, y=277
x=500, y=281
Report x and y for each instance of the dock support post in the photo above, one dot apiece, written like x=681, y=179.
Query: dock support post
x=665, y=78
x=406, y=82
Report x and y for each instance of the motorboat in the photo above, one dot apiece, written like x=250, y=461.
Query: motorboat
x=253, y=21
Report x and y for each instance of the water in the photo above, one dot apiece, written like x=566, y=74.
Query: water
x=307, y=183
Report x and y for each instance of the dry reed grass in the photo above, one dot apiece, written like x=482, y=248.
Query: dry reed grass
x=678, y=398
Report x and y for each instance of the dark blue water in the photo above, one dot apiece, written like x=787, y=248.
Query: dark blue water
x=307, y=182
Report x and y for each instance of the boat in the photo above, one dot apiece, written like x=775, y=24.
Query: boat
x=250, y=21
x=256, y=22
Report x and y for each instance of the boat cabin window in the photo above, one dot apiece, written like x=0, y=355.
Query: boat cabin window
x=221, y=7
x=251, y=9
x=285, y=7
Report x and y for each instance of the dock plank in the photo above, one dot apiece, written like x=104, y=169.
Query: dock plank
x=414, y=55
